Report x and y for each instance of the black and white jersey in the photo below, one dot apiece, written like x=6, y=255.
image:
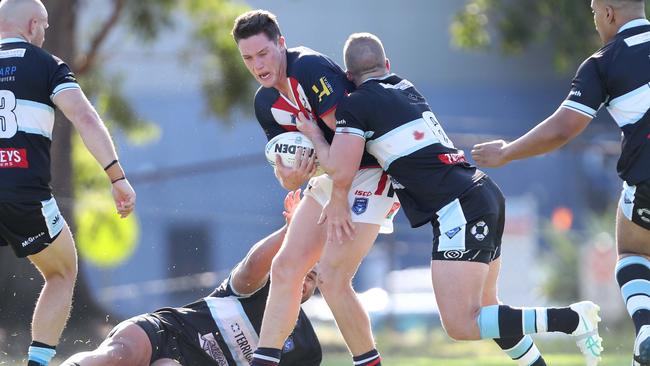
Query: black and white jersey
x=29, y=79
x=226, y=326
x=317, y=84
x=409, y=143
x=618, y=75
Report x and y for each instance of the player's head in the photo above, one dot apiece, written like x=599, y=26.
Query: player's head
x=24, y=18
x=610, y=15
x=261, y=45
x=364, y=57
x=309, y=284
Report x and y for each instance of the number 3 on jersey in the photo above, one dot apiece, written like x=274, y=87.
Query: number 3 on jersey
x=431, y=121
x=8, y=120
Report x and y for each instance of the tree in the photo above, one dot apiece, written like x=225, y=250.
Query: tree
x=565, y=27
x=228, y=87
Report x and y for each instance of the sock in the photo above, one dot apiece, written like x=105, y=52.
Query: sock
x=40, y=354
x=266, y=357
x=633, y=277
x=370, y=358
x=502, y=321
x=521, y=350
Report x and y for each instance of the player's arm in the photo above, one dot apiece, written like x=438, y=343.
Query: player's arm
x=76, y=107
x=551, y=134
x=253, y=271
x=310, y=129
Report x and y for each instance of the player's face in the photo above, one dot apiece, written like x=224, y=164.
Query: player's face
x=38, y=25
x=309, y=285
x=264, y=58
x=601, y=20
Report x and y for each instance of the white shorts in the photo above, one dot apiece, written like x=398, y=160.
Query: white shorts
x=372, y=199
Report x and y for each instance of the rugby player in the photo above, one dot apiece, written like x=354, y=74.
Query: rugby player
x=437, y=185
x=32, y=84
x=300, y=80
x=221, y=329
x=618, y=76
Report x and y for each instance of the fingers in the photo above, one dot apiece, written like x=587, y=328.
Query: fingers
x=348, y=229
x=322, y=218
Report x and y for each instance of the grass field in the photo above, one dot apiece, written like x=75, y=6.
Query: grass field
x=555, y=360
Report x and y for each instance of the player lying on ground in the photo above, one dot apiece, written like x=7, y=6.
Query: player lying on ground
x=221, y=329
x=436, y=185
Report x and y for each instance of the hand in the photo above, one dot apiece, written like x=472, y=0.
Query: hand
x=304, y=167
x=124, y=197
x=490, y=154
x=307, y=126
x=336, y=213
x=291, y=202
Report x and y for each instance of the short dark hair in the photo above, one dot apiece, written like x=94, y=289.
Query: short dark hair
x=255, y=22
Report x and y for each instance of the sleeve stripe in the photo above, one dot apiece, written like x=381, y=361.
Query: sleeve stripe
x=64, y=86
x=578, y=107
x=350, y=131
x=327, y=111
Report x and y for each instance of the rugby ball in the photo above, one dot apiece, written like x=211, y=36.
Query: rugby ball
x=286, y=144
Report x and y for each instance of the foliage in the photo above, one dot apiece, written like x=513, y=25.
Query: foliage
x=564, y=27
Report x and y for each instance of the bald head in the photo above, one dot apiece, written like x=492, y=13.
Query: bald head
x=23, y=18
x=364, y=56
x=611, y=15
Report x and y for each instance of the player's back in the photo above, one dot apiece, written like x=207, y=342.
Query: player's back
x=426, y=169
x=29, y=78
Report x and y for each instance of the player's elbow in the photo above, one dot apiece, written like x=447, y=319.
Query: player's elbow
x=86, y=119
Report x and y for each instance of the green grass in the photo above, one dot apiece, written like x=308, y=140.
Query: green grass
x=555, y=360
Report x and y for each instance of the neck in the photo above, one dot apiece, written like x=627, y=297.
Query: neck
x=372, y=75
x=12, y=34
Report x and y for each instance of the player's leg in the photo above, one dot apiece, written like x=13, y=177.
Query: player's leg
x=633, y=267
x=300, y=251
x=58, y=265
x=336, y=269
x=520, y=349
x=127, y=344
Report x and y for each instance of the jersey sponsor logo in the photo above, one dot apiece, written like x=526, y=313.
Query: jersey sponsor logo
x=360, y=205
x=452, y=159
x=393, y=209
x=18, y=52
x=8, y=70
x=31, y=239
x=576, y=93
x=242, y=341
x=13, y=158
x=480, y=230
x=361, y=193
x=341, y=122
x=324, y=90
x=210, y=345
x=451, y=233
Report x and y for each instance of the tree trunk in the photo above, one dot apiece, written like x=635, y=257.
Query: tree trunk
x=21, y=283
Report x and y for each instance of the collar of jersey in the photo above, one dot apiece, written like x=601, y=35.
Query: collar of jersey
x=380, y=77
x=11, y=40
x=634, y=23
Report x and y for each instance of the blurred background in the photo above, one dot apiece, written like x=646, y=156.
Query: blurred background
x=168, y=80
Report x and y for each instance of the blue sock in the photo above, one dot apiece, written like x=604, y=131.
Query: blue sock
x=40, y=354
x=502, y=321
x=633, y=277
x=522, y=350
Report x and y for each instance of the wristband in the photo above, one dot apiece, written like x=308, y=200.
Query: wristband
x=110, y=164
x=118, y=179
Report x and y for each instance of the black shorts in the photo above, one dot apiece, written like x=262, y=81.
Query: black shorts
x=169, y=341
x=29, y=227
x=635, y=203
x=470, y=228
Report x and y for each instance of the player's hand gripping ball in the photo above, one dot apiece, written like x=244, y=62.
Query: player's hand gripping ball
x=286, y=144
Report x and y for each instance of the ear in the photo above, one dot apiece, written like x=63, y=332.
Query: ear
x=609, y=14
x=282, y=42
x=387, y=64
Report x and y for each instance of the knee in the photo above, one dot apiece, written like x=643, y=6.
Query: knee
x=64, y=275
x=333, y=280
x=461, y=328
x=286, y=270
x=120, y=353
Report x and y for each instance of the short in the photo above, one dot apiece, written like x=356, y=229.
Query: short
x=470, y=228
x=372, y=198
x=635, y=203
x=30, y=227
x=169, y=342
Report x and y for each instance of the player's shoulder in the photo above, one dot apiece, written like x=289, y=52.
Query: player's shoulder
x=264, y=96
x=306, y=60
x=43, y=55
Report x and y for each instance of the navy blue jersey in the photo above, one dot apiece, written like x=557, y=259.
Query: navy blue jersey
x=407, y=140
x=226, y=326
x=317, y=83
x=29, y=79
x=618, y=75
